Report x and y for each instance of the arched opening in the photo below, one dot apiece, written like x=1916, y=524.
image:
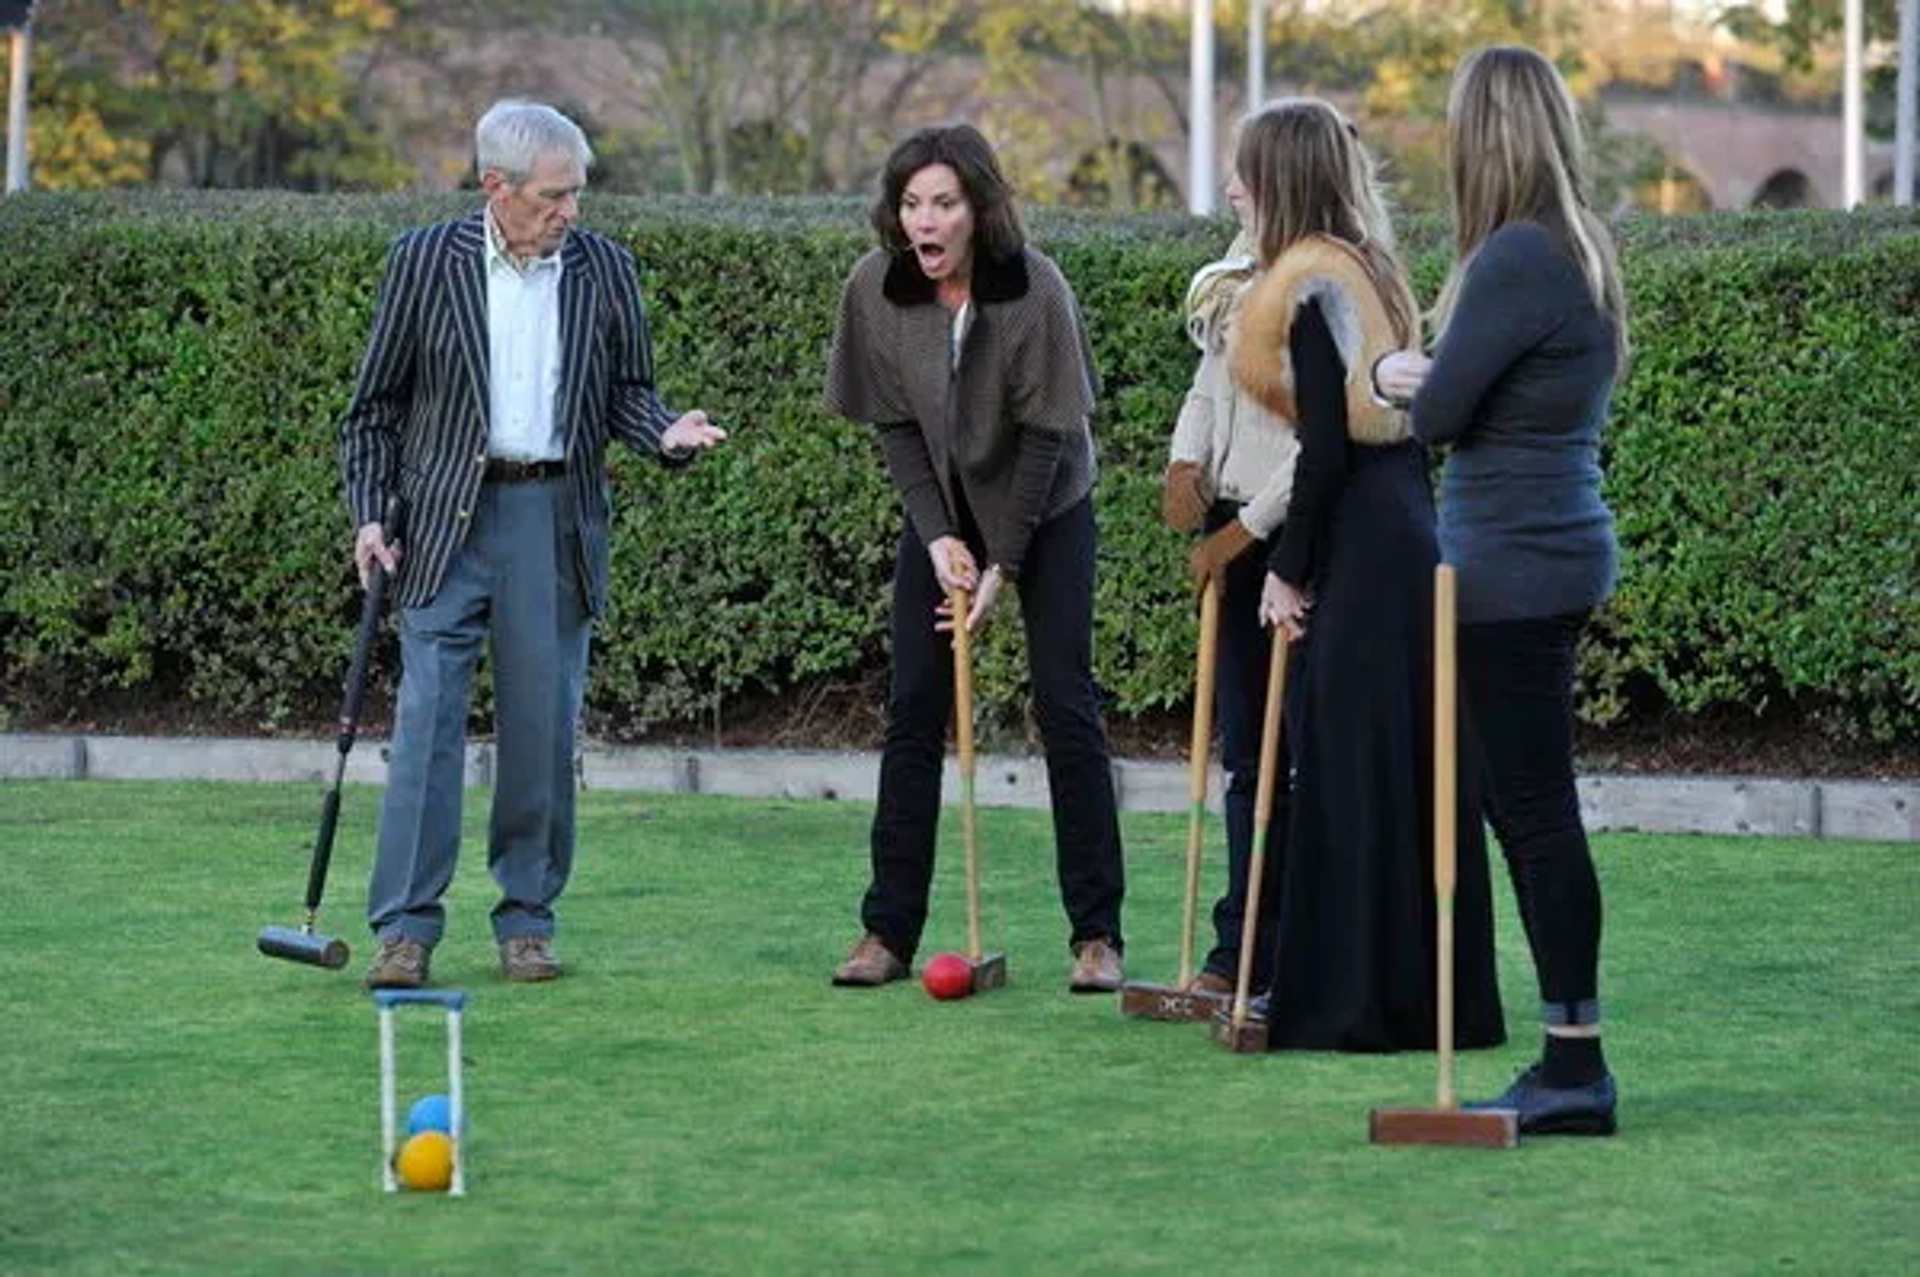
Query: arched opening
x=1671, y=192
x=1883, y=187
x=1787, y=188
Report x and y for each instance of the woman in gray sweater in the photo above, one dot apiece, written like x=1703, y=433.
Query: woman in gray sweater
x=1532, y=324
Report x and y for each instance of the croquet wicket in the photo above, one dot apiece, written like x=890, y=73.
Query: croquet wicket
x=454, y=1003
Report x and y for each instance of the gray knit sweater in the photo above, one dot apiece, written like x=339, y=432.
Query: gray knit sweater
x=1519, y=387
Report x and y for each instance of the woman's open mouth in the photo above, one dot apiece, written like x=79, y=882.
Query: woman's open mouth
x=932, y=256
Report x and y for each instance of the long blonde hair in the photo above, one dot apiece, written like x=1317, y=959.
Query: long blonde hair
x=1307, y=174
x=1518, y=154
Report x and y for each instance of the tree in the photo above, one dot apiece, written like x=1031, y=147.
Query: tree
x=794, y=82
x=1804, y=26
x=1418, y=43
x=1058, y=80
x=210, y=93
x=73, y=144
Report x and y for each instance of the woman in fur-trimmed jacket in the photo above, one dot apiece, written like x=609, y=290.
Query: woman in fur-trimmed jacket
x=1351, y=576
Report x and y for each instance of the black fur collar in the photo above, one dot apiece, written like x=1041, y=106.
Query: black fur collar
x=1002, y=279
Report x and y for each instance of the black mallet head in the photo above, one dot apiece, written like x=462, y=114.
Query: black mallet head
x=303, y=946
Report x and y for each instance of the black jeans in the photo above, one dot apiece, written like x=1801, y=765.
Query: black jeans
x=1516, y=685
x=1056, y=606
x=1239, y=700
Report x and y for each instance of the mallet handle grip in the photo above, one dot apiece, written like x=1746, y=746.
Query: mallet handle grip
x=392, y=526
x=353, y=695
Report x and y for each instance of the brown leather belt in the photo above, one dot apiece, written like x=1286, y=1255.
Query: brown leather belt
x=503, y=470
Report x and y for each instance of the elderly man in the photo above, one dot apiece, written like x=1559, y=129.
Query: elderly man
x=508, y=347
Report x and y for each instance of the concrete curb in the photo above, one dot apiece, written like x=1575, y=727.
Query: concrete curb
x=1881, y=811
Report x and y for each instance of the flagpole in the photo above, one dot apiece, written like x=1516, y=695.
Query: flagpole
x=1200, y=132
x=1853, y=110
x=17, y=105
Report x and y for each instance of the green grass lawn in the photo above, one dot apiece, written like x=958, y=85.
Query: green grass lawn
x=694, y=1097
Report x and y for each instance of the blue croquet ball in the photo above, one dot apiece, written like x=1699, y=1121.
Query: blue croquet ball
x=431, y=1113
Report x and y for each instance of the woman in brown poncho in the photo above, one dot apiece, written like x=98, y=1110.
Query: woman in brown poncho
x=962, y=347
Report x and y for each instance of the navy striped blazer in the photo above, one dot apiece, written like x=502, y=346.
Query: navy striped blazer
x=417, y=424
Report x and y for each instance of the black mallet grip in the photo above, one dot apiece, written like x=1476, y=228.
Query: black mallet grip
x=353, y=695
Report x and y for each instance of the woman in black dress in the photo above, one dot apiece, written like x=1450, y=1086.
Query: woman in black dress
x=1351, y=579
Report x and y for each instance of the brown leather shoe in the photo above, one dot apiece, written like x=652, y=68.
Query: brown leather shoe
x=1096, y=967
x=1210, y=982
x=871, y=963
x=400, y=964
x=528, y=959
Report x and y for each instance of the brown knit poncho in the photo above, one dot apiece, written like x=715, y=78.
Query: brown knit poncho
x=1025, y=367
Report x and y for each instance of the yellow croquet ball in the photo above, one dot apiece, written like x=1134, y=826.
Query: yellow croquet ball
x=425, y=1162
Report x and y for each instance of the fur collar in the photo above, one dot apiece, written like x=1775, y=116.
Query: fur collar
x=1002, y=279
x=1332, y=272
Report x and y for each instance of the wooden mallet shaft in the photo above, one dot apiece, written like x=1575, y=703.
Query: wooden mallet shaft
x=1138, y=999
x=1239, y=1034
x=1445, y=832
x=1445, y=1123
x=989, y=970
x=962, y=603
x=1198, y=750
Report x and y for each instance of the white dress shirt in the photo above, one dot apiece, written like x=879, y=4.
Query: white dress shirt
x=523, y=354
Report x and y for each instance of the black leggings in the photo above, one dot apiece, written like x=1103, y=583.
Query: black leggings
x=1056, y=606
x=1516, y=685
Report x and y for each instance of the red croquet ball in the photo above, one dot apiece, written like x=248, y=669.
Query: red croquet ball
x=948, y=976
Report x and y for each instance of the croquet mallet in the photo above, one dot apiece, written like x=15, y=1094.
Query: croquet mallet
x=1238, y=1031
x=1141, y=999
x=989, y=969
x=304, y=944
x=1446, y=1122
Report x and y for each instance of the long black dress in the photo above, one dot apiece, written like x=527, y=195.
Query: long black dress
x=1354, y=946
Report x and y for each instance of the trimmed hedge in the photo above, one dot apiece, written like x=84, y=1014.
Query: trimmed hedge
x=175, y=366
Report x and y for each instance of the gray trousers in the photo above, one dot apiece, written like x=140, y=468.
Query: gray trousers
x=514, y=584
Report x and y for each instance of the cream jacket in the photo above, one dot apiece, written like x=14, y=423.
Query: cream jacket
x=1246, y=451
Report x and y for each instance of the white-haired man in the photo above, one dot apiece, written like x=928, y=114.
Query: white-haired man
x=508, y=347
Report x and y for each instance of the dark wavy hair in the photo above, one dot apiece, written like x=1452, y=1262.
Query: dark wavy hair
x=997, y=229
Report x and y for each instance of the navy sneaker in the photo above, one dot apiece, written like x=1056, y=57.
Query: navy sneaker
x=1550, y=1110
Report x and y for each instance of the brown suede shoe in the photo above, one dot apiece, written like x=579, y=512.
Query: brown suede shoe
x=1096, y=967
x=529, y=959
x=400, y=964
x=1210, y=982
x=870, y=964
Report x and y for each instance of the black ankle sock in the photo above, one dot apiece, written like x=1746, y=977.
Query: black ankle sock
x=1569, y=1062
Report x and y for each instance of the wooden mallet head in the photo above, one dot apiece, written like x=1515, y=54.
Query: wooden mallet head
x=989, y=971
x=1457, y=1127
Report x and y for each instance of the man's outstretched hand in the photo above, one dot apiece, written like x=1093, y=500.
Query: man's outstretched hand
x=692, y=432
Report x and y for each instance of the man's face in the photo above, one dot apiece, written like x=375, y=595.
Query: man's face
x=535, y=215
